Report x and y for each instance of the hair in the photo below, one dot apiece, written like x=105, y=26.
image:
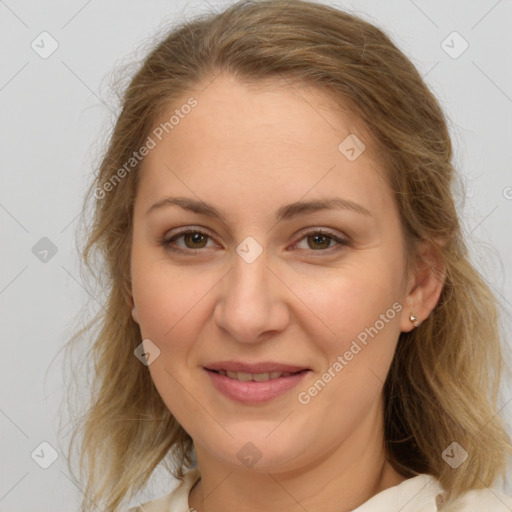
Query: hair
x=443, y=384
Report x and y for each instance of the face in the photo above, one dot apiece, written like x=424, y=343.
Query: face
x=264, y=284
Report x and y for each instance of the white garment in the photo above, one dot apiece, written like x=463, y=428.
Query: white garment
x=422, y=493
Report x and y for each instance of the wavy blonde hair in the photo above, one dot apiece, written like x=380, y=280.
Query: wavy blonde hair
x=443, y=384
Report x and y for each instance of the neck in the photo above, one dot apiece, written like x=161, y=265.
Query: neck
x=338, y=481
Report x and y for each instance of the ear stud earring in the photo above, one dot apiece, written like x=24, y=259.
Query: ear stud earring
x=414, y=320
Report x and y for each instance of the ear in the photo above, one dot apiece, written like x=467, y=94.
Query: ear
x=424, y=286
x=131, y=305
x=135, y=316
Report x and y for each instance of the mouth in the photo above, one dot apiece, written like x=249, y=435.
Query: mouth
x=254, y=383
x=256, y=377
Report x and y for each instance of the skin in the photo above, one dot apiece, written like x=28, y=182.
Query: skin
x=249, y=150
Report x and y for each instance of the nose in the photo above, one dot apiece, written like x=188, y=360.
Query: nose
x=252, y=302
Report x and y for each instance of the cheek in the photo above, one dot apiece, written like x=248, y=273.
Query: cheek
x=365, y=304
x=361, y=307
x=365, y=319
x=166, y=296
x=347, y=301
x=168, y=302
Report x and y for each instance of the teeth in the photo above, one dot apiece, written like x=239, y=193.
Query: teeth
x=261, y=376
x=243, y=376
x=258, y=377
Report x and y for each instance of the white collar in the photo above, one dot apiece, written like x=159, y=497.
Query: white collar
x=422, y=493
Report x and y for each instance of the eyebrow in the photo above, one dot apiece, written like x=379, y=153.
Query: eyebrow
x=285, y=212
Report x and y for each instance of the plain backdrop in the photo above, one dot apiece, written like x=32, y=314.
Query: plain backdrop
x=55, y=112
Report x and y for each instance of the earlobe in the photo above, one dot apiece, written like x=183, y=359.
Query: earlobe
x=425, y=288
x=134, y=314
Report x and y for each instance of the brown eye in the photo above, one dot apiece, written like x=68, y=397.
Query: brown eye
x=319, y=241
x=195, y=240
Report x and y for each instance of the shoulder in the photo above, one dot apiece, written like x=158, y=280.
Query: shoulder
x=176, y=500
x=424, y=493
x=489, y=499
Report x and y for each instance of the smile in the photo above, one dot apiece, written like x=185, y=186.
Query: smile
x=258, y=377
x=254, y=388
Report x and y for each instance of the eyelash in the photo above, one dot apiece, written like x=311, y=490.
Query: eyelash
x=166, y=242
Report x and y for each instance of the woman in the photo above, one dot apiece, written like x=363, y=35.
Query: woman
x=292, y=322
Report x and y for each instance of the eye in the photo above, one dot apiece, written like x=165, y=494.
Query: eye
x=193, y=238
x=319, y=240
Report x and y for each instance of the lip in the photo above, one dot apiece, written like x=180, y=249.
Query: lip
x=255, y=392
x=261, y=367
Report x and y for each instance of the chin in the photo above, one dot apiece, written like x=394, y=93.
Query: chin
x=259, y=454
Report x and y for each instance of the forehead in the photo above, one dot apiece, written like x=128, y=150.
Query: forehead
x=262, y=139
x=244, y=116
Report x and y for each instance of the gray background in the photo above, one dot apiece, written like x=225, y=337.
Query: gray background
x=55, y=113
